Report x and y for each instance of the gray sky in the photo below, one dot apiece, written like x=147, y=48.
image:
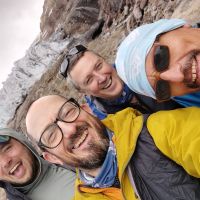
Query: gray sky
x=20, y=25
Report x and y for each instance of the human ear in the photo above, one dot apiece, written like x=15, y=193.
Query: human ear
x=52, y=158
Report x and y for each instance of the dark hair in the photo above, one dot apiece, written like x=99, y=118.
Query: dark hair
x=73, y=60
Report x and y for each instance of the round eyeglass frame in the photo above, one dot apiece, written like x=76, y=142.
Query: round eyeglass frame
x=75, y=104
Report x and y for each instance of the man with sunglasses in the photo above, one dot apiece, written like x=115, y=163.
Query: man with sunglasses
x=120, y=158
x=26, y=176
x=162, y=60
x=105, y=91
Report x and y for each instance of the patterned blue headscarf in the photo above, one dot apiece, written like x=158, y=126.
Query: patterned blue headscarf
x=132, y=52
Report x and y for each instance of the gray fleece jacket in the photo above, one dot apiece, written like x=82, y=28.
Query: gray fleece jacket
x=52, y=182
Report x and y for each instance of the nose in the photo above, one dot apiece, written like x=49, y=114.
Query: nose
x=100, y=77
x=67, y=128
x=173, y=74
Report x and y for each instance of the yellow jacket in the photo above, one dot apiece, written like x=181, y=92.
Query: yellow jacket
x=175, y=133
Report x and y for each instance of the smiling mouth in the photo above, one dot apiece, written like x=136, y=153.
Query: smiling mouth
x=81, y=140
x=108, y=84
x=14, y=169
x=191, y=73
x=194, y=70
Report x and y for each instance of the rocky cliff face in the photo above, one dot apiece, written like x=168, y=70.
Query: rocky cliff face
x=74, y=17
x=26, y=72
x=100, y=24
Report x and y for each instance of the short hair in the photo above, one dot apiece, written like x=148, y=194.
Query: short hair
x=71, y=59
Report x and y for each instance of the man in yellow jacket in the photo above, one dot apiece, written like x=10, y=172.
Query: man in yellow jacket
x=126, y=156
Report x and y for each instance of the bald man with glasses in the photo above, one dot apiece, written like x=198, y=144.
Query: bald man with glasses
x=124, y=153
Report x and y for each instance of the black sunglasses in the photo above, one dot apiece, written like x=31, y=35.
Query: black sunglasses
x=64, y=67
x=161, y=64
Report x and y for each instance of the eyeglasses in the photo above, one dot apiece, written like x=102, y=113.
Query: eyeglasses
x=68, y=58
x=161, y=64
x=52, y=136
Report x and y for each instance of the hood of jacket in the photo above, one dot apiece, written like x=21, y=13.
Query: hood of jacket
x=42, y=164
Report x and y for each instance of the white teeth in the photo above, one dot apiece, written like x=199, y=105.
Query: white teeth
x=194, y=71
x=194, y=76
x=80, y=141
x=108, y=84
x=14, y=168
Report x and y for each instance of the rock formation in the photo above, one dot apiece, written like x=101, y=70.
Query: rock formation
x=26, y=72
x=101, y=25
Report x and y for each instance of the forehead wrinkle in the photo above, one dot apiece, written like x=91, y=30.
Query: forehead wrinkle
x=87, y=63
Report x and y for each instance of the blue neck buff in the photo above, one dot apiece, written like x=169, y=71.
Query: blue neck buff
x=101, y=107
x=125, y=97
x=106, y=177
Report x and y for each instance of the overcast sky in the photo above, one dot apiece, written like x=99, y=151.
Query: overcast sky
x=20, y=25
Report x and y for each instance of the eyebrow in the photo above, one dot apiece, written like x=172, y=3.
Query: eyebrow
x=86, y=78
x=99, y=61
x=3, y=145
x=158, y=37
x=53, y=121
